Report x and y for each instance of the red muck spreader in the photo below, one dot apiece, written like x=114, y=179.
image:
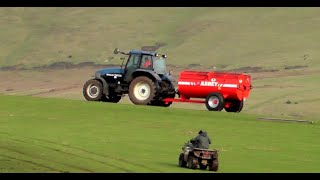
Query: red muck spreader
x=217, y=89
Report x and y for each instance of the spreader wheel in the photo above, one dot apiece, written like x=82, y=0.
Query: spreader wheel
x=214, y=102
x=236, y=106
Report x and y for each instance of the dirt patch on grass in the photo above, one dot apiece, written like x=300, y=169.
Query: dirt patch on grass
x=295, y=67
x=249, y=69
x=277, y=86
x=58, y=65
x=154, y=47
x=193, y=28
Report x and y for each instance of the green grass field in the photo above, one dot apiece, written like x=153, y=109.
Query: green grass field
x=55, y=135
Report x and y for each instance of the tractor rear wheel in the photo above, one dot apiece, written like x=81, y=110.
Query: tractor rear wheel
x=170, y=93
x=214, y=102
x=236, y=106
x=142, y=90
x=92, y=90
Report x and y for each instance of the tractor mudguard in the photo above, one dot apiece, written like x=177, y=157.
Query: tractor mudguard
x=146, y=71
x=104, y=84
x=168, y=78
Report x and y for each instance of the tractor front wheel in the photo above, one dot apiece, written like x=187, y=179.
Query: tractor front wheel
x=92, y=90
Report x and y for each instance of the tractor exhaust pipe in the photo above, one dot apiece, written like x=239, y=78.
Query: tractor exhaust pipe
x=117, y=51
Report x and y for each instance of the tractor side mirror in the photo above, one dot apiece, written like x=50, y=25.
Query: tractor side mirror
x=116, y=51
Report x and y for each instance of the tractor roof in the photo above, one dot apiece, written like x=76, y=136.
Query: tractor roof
x=134, y=51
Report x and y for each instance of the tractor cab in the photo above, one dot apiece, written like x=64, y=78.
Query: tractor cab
x=143, y=61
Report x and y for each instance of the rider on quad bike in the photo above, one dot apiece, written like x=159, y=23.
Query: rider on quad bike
x=202, y=140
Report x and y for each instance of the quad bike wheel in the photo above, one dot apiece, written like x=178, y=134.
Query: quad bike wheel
x=182, y=162
x=214, y=166
x=192, y=162
x=203, y=167
x=92, y=90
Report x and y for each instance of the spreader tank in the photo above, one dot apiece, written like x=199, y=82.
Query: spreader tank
x=220, y=90
x=196, y=84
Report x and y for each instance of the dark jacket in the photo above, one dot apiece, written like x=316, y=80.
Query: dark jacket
x=201, y=141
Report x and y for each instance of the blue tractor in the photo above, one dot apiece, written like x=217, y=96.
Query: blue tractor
x=143, y=78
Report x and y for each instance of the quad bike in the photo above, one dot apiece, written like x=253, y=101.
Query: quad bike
x=192, y=157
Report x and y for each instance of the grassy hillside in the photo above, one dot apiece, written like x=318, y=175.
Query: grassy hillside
x=213, y=36
x=54, y=135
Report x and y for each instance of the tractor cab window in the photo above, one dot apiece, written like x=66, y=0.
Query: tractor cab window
x=159, y=64
x=146, y=62
x=133, y=61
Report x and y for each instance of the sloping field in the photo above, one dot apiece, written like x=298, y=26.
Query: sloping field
x=213, y=36
x=56, y=135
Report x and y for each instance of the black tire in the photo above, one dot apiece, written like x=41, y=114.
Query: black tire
x=218, y=103
x=138, y=87
x=203, y=167
x=111, y=98
x=214, y=166
x=182, y=162
x=163, y=104
x=167, y=87
x=160, y=103
x=236, y=106
x=92, y=90
x=192, y=162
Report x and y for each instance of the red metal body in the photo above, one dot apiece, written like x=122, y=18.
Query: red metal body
x=194, y=84
x=197, y=84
